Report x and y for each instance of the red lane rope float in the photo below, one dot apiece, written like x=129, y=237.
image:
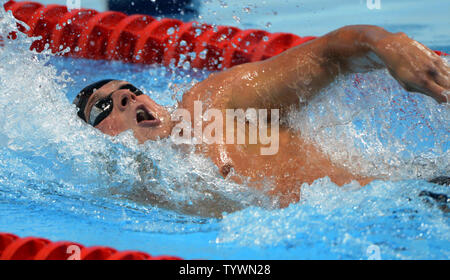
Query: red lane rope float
x=143, y=39
x=32, y=248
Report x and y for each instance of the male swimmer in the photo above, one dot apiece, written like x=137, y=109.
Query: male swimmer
x=284, y=82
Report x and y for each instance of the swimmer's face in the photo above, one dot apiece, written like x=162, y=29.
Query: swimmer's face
x=147, y=119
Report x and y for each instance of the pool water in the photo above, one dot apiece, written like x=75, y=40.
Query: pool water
x=63, y=180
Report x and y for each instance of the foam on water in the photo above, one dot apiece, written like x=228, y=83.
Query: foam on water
x=38, y=120
x=370, y=124
x=54, y=167
x=334, y=222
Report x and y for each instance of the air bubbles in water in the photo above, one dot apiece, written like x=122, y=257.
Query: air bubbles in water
x=170, y=31
x=223, y=4
x=39, y=120
x=371, y=125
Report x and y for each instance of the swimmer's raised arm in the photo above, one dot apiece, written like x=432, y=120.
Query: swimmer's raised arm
x=299, y=73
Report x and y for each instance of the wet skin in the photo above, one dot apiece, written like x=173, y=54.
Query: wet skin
x=284, y=82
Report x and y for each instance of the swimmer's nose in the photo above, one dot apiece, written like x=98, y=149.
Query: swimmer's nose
x=125, y=99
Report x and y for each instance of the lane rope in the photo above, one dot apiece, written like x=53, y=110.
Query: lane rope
x=143, y=39
x=13, y=247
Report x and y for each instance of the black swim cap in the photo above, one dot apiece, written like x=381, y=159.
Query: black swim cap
x=82, y=98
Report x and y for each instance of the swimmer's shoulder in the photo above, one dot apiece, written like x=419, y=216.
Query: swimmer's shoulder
x=215, y=91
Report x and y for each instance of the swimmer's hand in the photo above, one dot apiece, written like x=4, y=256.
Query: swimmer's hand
x=414, y=66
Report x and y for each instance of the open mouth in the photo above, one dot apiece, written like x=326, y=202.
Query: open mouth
x=145, y=118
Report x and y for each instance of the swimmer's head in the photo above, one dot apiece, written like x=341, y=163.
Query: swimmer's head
x=114, y=106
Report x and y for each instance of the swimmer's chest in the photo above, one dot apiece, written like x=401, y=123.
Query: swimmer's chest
x=295, y=160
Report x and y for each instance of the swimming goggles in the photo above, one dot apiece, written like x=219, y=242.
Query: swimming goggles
x=103, y=107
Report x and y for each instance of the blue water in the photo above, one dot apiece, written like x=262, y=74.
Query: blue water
x=63, y=180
